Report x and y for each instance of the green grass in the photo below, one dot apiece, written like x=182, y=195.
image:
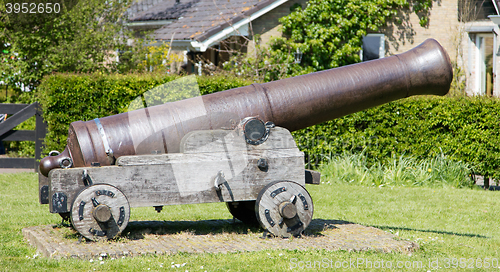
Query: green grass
x=445, y=222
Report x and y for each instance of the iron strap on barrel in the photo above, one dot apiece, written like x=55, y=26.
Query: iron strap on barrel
x=105, y=142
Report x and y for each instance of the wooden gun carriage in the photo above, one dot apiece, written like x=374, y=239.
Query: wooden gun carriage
x=233, y=146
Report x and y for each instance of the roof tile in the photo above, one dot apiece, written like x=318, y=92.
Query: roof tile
x=203, y=17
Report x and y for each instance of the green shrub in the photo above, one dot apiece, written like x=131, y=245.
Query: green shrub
x=464, y=129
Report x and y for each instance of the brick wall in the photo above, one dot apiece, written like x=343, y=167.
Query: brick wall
x=443, y=26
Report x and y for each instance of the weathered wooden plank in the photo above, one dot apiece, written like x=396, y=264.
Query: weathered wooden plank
x=202, y=141
x=17, y=162
x=172, y=179
x=313, y=177
x=11, y=108
x=17, y=118
x=18, y=135
x=202, y=157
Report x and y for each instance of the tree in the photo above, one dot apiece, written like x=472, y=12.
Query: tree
x=67, y=36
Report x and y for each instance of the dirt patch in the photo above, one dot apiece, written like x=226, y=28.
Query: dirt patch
x=210, y=236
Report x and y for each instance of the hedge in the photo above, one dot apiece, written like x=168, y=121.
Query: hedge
x=464, y=129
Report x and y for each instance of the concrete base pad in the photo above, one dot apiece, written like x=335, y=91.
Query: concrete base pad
x=210, y=236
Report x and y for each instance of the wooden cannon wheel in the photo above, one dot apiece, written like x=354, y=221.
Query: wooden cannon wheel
x=244, y=211
x=284, y=208
x=100, y=212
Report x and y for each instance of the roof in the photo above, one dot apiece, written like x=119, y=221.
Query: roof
x=142, y=5
x=198, y=24
x=164, y=10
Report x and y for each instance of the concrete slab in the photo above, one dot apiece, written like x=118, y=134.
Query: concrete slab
x=210, y=236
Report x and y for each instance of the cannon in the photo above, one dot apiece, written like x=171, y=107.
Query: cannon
x=233, y=146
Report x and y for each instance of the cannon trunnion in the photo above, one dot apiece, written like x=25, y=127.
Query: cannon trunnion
x=207, y=149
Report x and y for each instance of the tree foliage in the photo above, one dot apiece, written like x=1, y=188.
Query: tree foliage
x=330, y=33
x=81, y=37
x=159, y=58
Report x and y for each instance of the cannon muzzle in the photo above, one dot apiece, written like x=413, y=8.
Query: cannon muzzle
x=292, y=103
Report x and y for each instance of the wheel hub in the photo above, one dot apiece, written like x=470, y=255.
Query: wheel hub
x=288, y=210
x=102, y=213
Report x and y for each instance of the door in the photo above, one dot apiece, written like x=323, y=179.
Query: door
x=484, y=64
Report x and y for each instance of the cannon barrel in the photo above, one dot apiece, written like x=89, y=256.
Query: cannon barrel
x=292, y=103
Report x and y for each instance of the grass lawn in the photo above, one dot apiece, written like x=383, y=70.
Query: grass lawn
x=454, y=228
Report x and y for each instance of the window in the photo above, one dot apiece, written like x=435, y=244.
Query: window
x=481, y=63
x=373, y=47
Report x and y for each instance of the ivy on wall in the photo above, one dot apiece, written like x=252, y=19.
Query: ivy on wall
x=328, y=33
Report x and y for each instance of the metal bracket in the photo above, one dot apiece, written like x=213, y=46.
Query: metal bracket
x=268, y=217
x=278, y=191
x=95, y=202
x=121, y=218
x=87, y=180
x=219, y=180
x=81, y=209
x=262, y=165
x=104, y=192
x=59, y=202
x=304, y=201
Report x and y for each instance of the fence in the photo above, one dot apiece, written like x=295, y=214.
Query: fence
x=20, y=113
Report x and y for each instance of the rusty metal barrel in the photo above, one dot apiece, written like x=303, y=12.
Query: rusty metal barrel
x=292, y=103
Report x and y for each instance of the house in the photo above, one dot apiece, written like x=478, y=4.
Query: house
x=463, y=29
x=210, y=30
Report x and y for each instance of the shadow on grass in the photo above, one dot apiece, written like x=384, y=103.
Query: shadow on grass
x=491, y=188
x=431, y=231
x=136, y=230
